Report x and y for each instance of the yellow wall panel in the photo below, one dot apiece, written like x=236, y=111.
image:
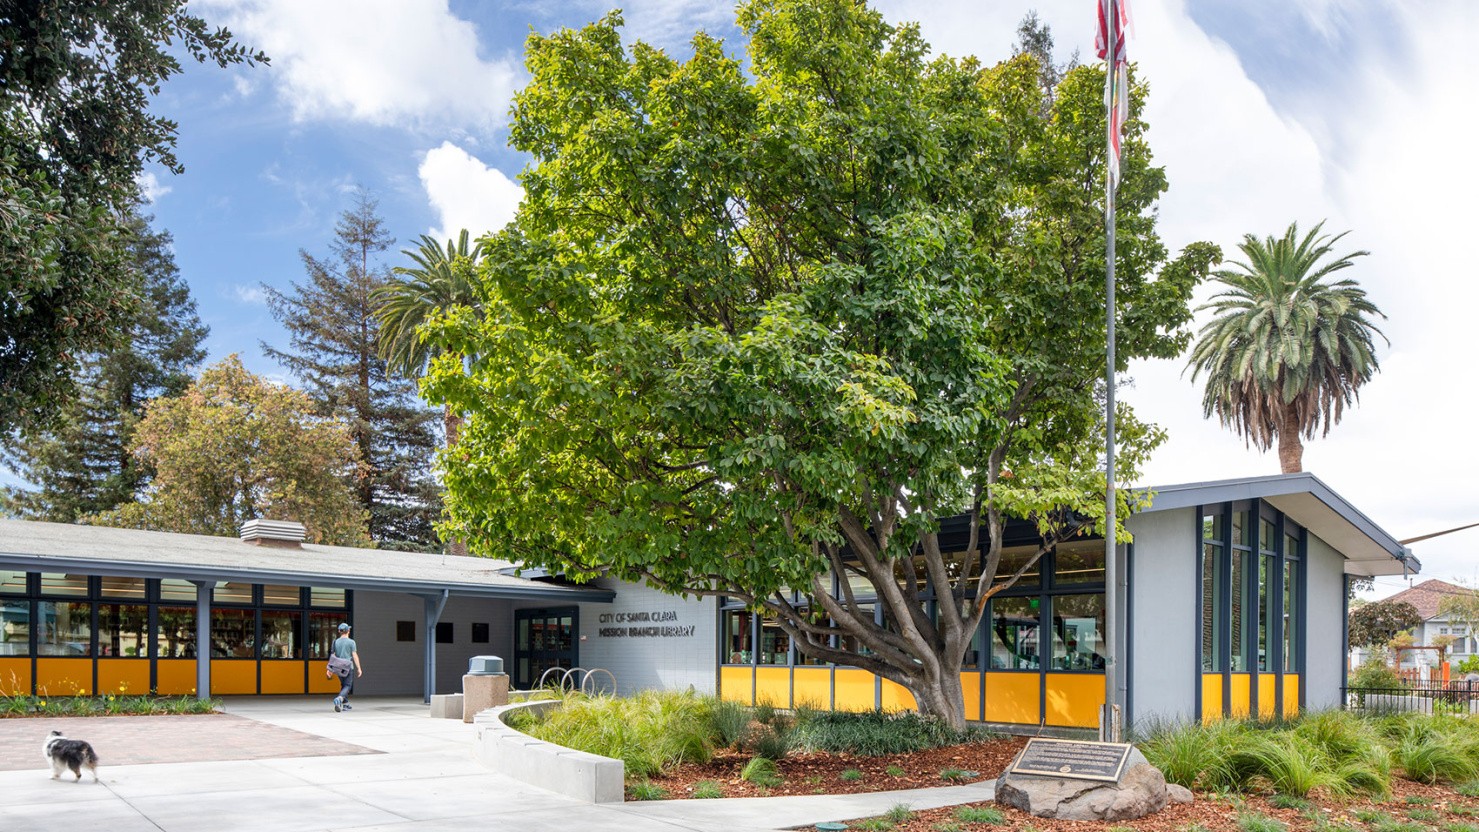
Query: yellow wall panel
x=813, y=688
x=283, y=676
x=15, y=676
x=1268, y=696
x=736, y=684
x=896, y=697
x=1013, y=697
x=855, y=690
x=1291, y=695
x=317, y=681
x=1074, y=699
x=123, y=676
x=1211, y=697
x=1240, y=694
x=773, y=685
x=176, y=677
x=233, y=677
x=970, y=685
x=64, y=677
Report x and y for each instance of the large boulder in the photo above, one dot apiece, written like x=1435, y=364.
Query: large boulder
x=1140, y=791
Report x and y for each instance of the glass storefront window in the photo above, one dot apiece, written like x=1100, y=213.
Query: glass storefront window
x=274, y=595
x=1078, y=632
x=233, y=634
x=1266, y=534
x=1238, y=653
x=123, y=631
x=280, y=633
x=232, y=592
x=1014, y=634
x=64, y=628
x=861, y=588
x=1012, y=559
x=15, y=628
x=323, y=628
x=174, y=589
x=1240, y=528
x=70, y=586
x=737, y=640
x=322, y=596
x=131, y=589
x=1079, y=562
x=1291, y=617
x=1212, y=612
x=851, y=643
x=775, y=643
x=174, y=632
x=12, y=582
x=1267, y=574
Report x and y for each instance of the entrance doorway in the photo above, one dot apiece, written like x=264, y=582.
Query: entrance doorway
x=543, y=638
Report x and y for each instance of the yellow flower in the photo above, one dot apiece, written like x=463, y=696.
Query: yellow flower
x=43, y=702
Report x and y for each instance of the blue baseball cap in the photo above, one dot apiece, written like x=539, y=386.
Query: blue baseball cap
x=343, y=628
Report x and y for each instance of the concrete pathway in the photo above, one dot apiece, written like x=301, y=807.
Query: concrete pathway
x=425, y=778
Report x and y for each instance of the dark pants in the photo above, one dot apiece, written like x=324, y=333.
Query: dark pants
x=346, y=685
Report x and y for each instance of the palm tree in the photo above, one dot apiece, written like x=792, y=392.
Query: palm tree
x=1287, y=349
x=439, y=281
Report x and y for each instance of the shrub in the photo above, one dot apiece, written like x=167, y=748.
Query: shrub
x=1429, y=749
x=761, y=772
x=764, y=712
x=1254, y=822
x=899, y=813
x=649, y=732
x=1470, y=789
x=1460, y=827
x=707, y=790
x=895, y=771
x=957, y=775
x=1284, y=801
x=980, y=814
x=1425, y=815
x=646, y=790
x=874, y=824
x=773, y=742
x=1374, y=673
x=851, y=775
x=875, y=733
x=1191, y=755
x=731, y=723
x=949, y=826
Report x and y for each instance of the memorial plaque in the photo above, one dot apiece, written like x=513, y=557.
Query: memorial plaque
x=1073, y=759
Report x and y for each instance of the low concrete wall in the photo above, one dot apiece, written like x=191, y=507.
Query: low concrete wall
x=578, y=774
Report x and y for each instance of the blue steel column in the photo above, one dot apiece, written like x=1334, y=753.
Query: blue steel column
x=434, y=606
x=203, y=639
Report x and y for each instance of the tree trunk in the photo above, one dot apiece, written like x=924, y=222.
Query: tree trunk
x=1291, y=449
x=943, y=698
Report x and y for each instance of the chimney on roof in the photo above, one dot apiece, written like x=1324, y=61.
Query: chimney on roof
x=279, y=534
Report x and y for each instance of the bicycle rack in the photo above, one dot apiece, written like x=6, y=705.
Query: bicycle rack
x=566, y=679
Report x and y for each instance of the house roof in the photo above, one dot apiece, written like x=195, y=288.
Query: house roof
x=1368, y=549
x=33, y=546
x=1428, y=595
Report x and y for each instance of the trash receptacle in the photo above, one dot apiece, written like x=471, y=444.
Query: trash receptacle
x=484, y=665
x=484, y=686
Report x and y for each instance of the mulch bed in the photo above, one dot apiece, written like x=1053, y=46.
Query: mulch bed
x=805, y=774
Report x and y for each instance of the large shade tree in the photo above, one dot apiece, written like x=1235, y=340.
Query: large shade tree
x=1289, y=346
x=759, y=325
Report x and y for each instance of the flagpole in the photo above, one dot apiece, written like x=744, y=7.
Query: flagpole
x=1109, y=725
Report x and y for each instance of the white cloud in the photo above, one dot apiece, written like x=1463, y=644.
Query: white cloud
x=249, y=294
x=466, y=193
x=382, y=62
x=151, y=188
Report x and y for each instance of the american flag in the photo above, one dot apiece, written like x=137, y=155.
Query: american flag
x=1113, y=16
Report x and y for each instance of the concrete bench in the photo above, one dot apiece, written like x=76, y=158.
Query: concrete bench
x=446, y=706
x=578, y=774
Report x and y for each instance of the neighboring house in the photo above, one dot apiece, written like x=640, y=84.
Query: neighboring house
x=1427, y=597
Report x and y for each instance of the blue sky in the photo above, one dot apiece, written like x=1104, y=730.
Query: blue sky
x=1263, y=112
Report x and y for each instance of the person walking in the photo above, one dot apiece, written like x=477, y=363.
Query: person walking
x=345, y=648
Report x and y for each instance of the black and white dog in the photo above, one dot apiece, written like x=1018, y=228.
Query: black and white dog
x=63, y=753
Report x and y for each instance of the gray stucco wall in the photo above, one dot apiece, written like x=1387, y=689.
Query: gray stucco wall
x=1164, y=622
x=1324, y=662
x=649, y=639
x=395, y=667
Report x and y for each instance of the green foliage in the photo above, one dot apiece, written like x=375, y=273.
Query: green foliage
x=1254, y=822
x=874, y=824
x=335, y=340
x=1424, y=815
x=76, y=131
x=753, y=310
x=1378, y=622
x=1460, y=827
x=438, y=282
x=646, y=790
x=707, y=790
x=1375, y=673
x=949, y=826
x=761, y=771
x=1468, y=665
x=1284, y=801
x=773, y=742
x=1387, y=823
x=895, y=771
x=1470, y=789
x=957, y=775
x=851, y=775
x=1436, y=748
x=876, y=733
x=731, y=722
x=899, y=813
x=1286, y=351
x=980, y=814
x=112, y=704
x=234, y=447
x=649, y=732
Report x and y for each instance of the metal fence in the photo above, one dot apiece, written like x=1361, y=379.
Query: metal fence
x=1426, y=697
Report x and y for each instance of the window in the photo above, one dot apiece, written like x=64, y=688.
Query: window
x=320, y=596
x=123, y=630
x=1291, y=617
x=131, y=589
x=1014, y=636
x=1213, y=616
x=775, y=644
x=15, y=628
x=232, y=592
x=174, y=589
x=479, y=633
x=1078, y=632
x=64, y=628
x=1079, y=562
x=12, y=582
x=280, y=633
x=738, y=640
x=1014, y=558
x=1267, y=575
x=174, y=632
x=405, y=631
x=1236, y=590
x=444, y=632
x=57, y=584
x=323, y=629
x=233, y=634
x=274, y=595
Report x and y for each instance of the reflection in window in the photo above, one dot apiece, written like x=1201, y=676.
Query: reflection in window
x=775, y=643
x=15, y=628
x=322, y=596
x=123, y=630
x=1267, y=574
x=64, y=628
x=175, y=589
x=1079, y=562
x=323, y=628
x=280, y=629
x=12, y=582
x=72, y=586
x=1078, y=632
x=174, y=633
x=274, y=595
x=1012, y=559
x=232, y=592
x=851, y=643
x=233, y=634
x=1014, y=634
x=738, y=648
x=1236, y=586
x=1291, y=616
x=131, y=589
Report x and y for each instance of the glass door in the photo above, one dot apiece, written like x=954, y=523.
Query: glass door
x=543, y=638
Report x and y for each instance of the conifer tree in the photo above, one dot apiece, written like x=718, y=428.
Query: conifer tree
x=82, y=465
x=333, y=351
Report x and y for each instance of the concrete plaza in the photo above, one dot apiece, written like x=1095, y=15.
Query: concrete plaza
x=386, y=766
